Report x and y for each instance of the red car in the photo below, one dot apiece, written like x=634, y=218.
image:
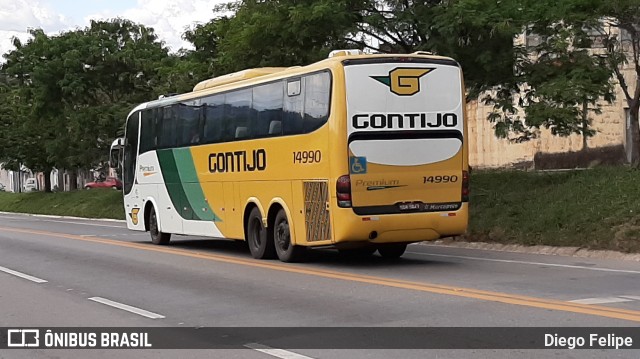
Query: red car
x=109, y=182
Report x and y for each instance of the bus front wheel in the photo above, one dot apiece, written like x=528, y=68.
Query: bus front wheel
x=287, y=251
x=260, y=244
x=157, y=237
x=392, y=250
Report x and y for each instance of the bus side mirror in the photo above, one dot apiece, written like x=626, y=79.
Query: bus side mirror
x=115, y=153
x=113, y=158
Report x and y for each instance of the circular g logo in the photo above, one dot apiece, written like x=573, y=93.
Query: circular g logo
x=404, y=81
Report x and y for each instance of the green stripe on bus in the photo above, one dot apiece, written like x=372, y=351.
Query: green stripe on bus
x=177, y=168
x=191, y=186
x=171, y=179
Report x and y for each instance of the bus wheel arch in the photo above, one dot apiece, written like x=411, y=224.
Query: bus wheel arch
x=249, y=206
x=152, y=224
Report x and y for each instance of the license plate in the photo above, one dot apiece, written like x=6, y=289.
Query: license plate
x=409, y=206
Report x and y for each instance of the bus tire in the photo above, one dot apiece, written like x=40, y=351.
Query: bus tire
x=287, y=252
x=260, y=244
x=392, y=250
x=157, y=237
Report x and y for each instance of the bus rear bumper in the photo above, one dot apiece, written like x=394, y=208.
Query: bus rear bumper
x=398, y=228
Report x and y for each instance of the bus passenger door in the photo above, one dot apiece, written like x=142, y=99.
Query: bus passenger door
x=132, y=200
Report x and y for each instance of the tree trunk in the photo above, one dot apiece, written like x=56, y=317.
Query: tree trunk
x=634, y=127
x=60, y=180
x=73, y=180
x=47, y=181
x=585, y=125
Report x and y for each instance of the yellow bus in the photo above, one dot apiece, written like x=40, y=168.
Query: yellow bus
x=359, y=152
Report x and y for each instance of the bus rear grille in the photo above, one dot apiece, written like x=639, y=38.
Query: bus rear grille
x=316, y=204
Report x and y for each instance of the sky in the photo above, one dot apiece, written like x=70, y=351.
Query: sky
x=169, y=18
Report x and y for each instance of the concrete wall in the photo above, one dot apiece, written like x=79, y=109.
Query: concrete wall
x=487, y=151
x=12, y=180
x=59, y=179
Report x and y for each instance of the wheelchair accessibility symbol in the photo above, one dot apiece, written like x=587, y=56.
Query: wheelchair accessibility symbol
x=358, y=165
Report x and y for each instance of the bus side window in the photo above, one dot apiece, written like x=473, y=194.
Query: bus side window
x=167, y=127
x=267, y=104
x=148, y=131
x=293, y=106
x=213, y=107
x=317, y=90
x=188, y=127
x=239, y=114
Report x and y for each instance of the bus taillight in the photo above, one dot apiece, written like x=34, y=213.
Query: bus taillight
x=343, y=191
x=465, y=186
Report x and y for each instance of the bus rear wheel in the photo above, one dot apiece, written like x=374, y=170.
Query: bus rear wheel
x=157, y=237
x=287, y=251
x=392, y=250
x=260, y=244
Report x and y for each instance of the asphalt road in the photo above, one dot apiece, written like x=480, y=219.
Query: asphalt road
x=78, y=273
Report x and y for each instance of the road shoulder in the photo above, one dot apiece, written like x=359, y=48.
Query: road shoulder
x=539, y=249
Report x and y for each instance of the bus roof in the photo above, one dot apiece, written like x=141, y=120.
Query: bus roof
x=265, y=74
x=237, y=76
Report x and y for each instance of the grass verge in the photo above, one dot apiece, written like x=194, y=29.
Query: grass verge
x=95, y=203
x=597, y=208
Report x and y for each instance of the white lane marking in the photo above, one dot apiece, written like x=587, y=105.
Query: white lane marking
x=278, y=353
x=9, y=217
x=632, y=297
x=22, y=275
x=84, y=224
x=128, y=308
x=602, y=300
x=529, y=263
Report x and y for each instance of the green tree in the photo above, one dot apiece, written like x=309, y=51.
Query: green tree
x=564, y=90
x=12, y=134
x=180, y=72
x=110, y=67
x=478, y=34
x=557, y=83
x=554, y=83
x=28, y=132
x=617, y=24
x=275, y=33
x=75, y=91
x=291, y=32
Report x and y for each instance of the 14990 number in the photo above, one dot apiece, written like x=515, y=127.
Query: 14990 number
x=307, y=156
x=440, y=179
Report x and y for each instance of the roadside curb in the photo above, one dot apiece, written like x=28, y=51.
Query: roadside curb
x=65, y=217
x=538, y=249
